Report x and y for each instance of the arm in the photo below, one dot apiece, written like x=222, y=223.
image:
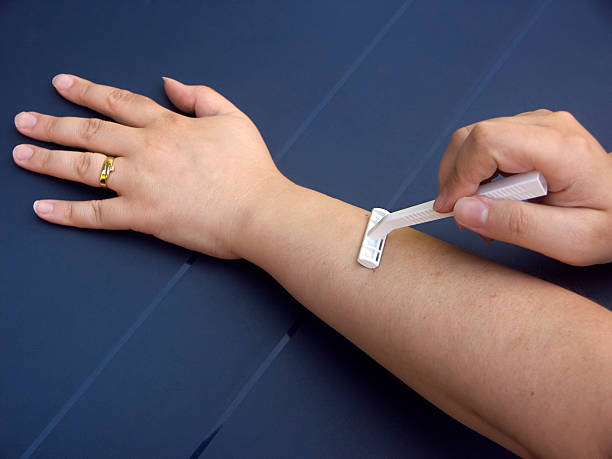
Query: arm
x=520, y=360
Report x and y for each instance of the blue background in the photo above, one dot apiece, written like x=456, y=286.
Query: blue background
x=115, y=344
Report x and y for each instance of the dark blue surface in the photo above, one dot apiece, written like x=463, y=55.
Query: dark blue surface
x=113, y=345
x=324, y=398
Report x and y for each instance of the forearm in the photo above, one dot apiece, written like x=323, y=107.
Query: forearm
x=520, y=360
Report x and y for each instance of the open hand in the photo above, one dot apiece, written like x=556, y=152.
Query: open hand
x=190, y=181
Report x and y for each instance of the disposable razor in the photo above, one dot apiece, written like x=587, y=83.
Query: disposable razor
x=519, y=187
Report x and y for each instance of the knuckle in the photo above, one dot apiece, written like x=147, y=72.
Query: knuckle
x=50, y=126
x=206, y=90
x=576, y=143
x=481, y=134
x=82, y=166
x=460, y=135
x=96, y=212
x=85, y=91
x=90, y=128
x=68, y=211
x=165, y=119
x=565, y=116
x=45, y=158
x=119, y=97
x=169, y=117
x=543, y=111
x=519, y=221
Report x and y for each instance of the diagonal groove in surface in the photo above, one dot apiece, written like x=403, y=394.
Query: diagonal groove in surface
x=465, y=104
x=246, y=388
x=87, y=383
x=340, y=83
x=244, y=391
x=460, y=111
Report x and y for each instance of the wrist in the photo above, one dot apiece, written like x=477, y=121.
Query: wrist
x=262, y=210
x=287, y=218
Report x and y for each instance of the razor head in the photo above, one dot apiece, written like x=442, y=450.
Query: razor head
x=371, y=249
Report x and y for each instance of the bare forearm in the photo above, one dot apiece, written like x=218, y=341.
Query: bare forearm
x=518, y=359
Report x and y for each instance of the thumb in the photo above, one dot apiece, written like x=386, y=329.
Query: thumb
x=195, y=99
x=563, y=233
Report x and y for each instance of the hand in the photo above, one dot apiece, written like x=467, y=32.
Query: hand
x=572, y=223
x=189, y=181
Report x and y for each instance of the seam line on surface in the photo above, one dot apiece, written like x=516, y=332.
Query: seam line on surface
x=462, y=108
x=86, y=384
x=340, y=83
x=244, y=391
x=247, y=387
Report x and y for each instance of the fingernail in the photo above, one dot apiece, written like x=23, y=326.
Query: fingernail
x=22, y=152
x=440, y=200
x=43, y=207
x=471, y=212
x=25, y=120
x=62, y=81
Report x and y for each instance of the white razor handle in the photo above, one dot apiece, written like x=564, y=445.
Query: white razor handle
x=517, y=187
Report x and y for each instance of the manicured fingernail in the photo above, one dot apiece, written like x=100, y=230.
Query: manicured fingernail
x=22, y=152
x=166, y=79
x=471, y=212
x=62, y=81
x=25, y=120
x=43, y=207
x=440, y=200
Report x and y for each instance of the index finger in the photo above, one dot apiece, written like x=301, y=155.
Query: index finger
x=119, y=104
x=507, y=147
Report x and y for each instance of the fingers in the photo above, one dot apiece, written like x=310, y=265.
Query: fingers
x=112, y=213
x=450, y=155
x=199, y=100
x=562, y=233
x=119, y=104
x=509, y=147
x=77, y=166
x=87, y=133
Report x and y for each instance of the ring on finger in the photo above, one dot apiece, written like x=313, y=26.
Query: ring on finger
x=107, y=167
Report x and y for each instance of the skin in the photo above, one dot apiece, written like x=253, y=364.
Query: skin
x=572, y=223
x=518, y=359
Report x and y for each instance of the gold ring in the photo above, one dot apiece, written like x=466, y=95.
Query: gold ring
x=107, y=168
